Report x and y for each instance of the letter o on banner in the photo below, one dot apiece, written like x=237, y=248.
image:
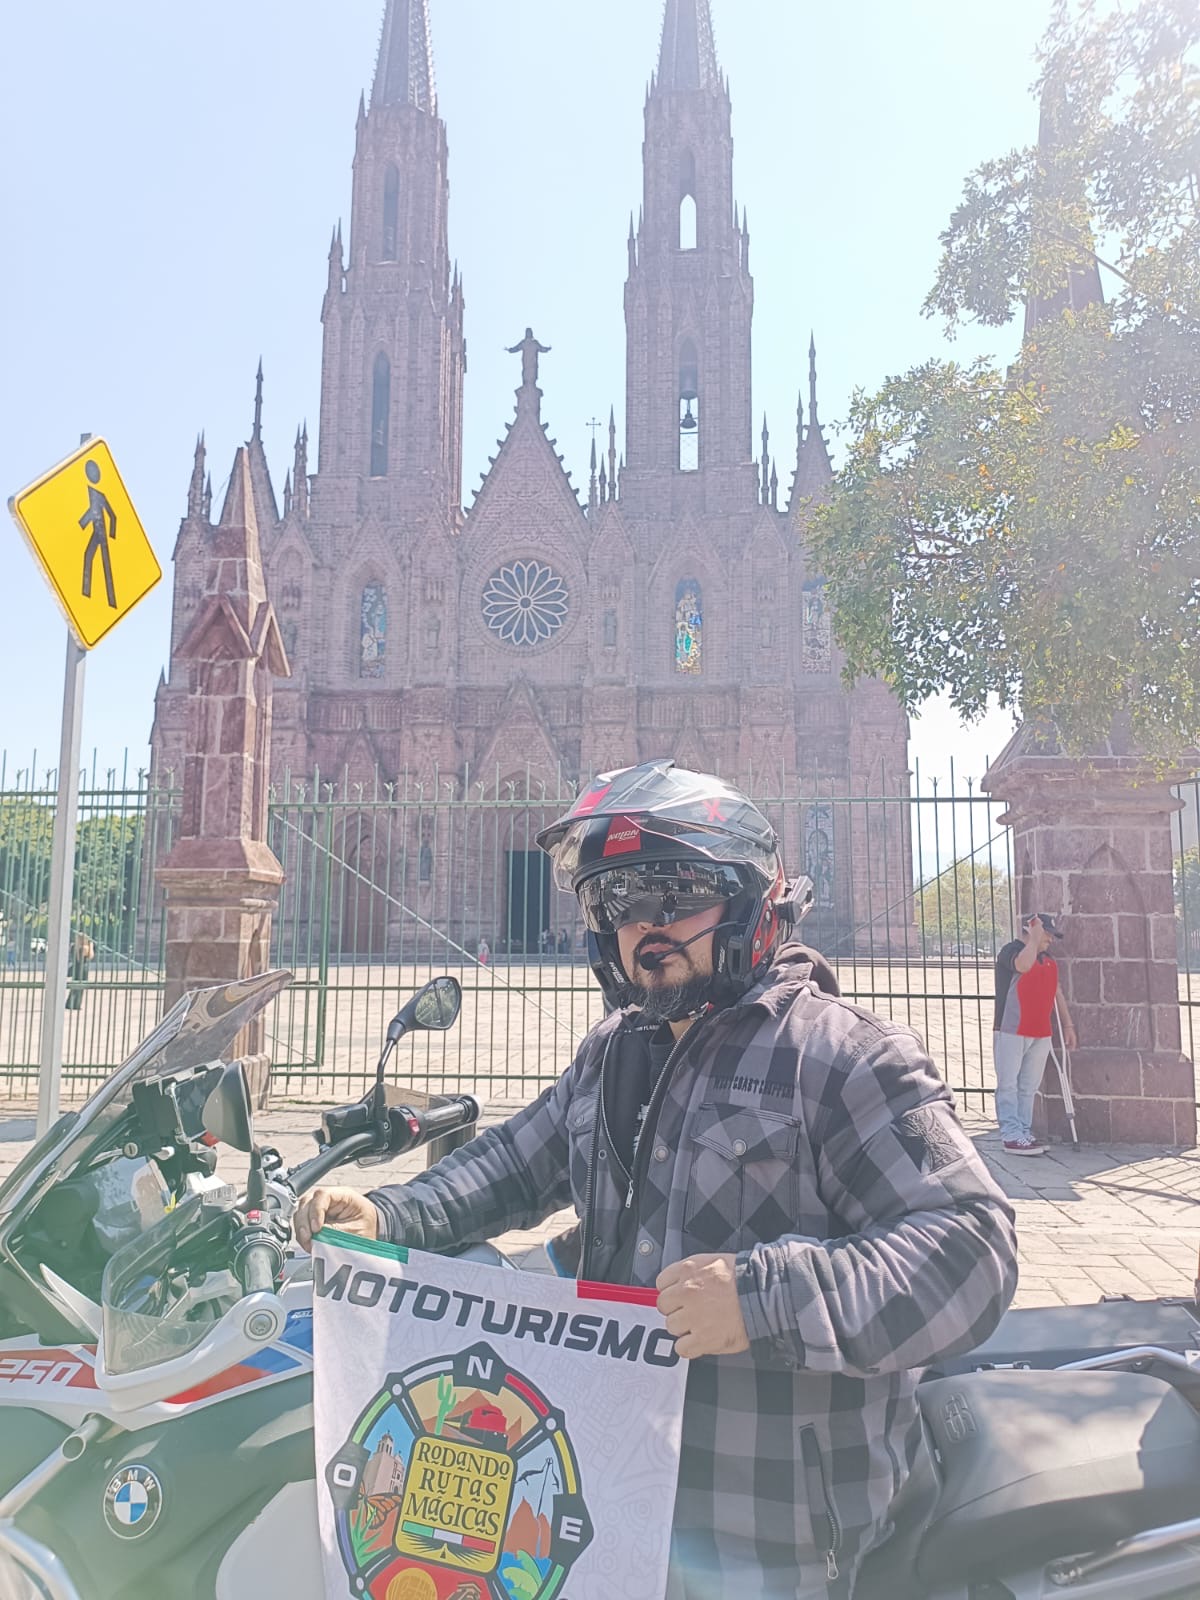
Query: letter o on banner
x=344, y=1475
x=431, y=1303
x=366, y=1289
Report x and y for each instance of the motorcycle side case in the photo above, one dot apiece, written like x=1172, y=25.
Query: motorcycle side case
x=1051, y=1336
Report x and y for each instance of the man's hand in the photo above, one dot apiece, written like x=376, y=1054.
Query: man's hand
x=346, y=1209
x=1070, y=1038
x=698, y=1298
x=1033, y=930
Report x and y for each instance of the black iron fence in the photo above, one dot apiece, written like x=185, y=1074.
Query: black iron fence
x=389, y=882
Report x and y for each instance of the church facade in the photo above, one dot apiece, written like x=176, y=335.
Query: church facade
x=543, y=636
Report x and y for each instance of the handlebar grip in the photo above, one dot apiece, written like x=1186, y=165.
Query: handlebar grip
x=462, y=1111
x=257, y=1258
x=411, y=1128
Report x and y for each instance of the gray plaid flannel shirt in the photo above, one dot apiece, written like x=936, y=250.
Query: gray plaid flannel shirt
x=818, y=1143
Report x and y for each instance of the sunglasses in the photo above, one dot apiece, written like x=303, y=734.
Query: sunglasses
x=656, y=892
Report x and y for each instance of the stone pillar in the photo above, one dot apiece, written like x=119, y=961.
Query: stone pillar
x=221, y=880
x=1091, y=842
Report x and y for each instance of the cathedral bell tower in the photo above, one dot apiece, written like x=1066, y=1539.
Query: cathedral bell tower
x=394, y=354
x=689, y=297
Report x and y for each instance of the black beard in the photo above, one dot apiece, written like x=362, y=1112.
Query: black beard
x=673, y=1002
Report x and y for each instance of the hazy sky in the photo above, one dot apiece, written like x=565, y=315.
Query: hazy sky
x=170, y=175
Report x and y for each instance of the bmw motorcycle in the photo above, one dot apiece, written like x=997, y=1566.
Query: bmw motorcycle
x=156, y=1367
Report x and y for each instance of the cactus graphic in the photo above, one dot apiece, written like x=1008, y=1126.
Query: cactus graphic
x=445, y=1398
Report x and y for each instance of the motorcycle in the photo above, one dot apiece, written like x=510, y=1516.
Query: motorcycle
x=156, y=1367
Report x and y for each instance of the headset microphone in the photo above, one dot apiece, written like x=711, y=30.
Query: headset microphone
x=652, y=960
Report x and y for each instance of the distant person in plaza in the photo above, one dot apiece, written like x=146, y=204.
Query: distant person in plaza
x=82, y=953
x=1026, y=996
x=564, y=942
x=483, y=953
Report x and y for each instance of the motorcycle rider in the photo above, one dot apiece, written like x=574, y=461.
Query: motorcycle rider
x=786, y=1168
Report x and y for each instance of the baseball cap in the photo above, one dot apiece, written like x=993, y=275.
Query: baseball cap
x=1047, y=922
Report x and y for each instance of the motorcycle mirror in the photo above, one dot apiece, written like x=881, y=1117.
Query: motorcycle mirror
x=227, y=1113
x=433, y=1008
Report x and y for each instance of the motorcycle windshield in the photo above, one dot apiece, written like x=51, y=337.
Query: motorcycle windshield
x=162, y=1292
x=199, y=1030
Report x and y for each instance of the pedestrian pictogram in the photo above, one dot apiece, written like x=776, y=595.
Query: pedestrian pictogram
x=81, y=525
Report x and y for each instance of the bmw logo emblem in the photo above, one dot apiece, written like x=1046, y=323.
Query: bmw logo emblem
x=132, y=1502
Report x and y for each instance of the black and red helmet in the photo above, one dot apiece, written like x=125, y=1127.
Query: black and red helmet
x=681, y=825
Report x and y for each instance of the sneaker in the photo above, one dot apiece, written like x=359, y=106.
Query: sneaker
x=1023, y=1147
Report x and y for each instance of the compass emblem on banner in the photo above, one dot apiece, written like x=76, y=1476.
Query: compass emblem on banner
x=459, y=1482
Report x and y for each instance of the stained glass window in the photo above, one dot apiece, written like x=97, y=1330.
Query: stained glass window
x=391, y=213
x=818, y=851
x=689, y=626
x=373, y=631
x=816, y=641
x=381, y=407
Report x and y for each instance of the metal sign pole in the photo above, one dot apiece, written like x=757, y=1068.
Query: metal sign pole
x=62, y=884
x=62, y=880
x=47, y=511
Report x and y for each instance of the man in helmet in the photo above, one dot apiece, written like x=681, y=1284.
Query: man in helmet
x=785, y=1168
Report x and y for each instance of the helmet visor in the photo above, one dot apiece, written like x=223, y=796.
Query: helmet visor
x=658, y=892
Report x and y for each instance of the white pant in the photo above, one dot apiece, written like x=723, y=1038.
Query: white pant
x=1020, y=1063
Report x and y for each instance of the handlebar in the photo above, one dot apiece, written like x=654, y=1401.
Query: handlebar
x=407, y=1129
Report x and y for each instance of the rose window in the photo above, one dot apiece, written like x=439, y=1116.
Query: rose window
x=525, y=603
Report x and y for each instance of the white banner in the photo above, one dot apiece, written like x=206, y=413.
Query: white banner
x=484, y=1434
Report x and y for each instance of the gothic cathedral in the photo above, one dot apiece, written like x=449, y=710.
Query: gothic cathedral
x=673, y=613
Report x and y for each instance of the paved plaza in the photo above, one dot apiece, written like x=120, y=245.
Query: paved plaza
x=1105, y=1220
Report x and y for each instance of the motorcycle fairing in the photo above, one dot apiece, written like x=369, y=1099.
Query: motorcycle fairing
x=62, y=1380
x=218, y=1466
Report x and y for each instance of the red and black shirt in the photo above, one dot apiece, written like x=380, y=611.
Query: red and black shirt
x=1025, y=1000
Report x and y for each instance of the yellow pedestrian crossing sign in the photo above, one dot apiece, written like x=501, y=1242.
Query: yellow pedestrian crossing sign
x=80, y=524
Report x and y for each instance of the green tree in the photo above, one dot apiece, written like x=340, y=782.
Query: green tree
x=1033, y=532
x=107, y=855
x=26, y=835
x=1187, y=906
x=107, y=851
x=964, y=909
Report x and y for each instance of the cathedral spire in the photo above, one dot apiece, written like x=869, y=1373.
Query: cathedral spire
x=814, y=470
x=812, y=380
x=1083, y=286
x=689, y=407
x=300, y=473
x=195, y=499
x=688, y=55
x=404, y=69
x=258, y=398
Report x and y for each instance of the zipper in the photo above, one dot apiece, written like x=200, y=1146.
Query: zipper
x=820, y=1506
x=588, y=1197
x=603, y=1122
x=645, y=1139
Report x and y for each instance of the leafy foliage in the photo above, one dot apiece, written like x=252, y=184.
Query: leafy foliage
x=1033, y=534
x=964, y=909
x=107, y=859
